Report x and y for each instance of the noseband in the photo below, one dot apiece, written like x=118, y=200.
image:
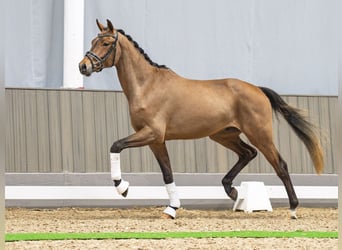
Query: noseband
x=96, y=61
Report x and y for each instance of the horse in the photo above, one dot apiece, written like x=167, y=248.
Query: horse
x=166, y=106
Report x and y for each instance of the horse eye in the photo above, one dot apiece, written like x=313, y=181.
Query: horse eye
x=105, y=44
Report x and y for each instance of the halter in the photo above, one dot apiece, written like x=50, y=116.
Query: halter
x=96, y=61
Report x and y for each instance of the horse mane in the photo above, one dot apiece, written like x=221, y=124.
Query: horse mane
x=136, y=45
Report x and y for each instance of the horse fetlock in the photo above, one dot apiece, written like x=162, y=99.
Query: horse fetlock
x=230, y=191
x=293, y=214
x=293, y=204
x=226, y=182
x=122, y=187
x=233, y=194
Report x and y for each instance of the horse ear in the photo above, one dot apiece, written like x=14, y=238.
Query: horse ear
x=101, y=27
x=110, y=25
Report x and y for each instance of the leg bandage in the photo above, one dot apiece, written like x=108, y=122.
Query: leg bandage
x=173, y=195
x=115, y=169
x=174, y=200
x=115, y=172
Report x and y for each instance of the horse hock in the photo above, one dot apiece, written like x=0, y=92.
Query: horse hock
x=120, y=184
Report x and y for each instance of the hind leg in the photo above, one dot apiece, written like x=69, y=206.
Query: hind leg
x=280, y=168
x=230, y=139
x=162, y=156
x=264, y=142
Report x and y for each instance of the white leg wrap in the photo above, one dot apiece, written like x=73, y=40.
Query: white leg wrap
x=122, y=187
x=173, y=195
x=115, y=168
x=174, y=200
x=115, y=172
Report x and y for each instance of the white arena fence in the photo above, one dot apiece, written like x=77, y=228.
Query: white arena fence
x=147, y=190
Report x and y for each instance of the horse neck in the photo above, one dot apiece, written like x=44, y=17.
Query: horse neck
x=134, y=72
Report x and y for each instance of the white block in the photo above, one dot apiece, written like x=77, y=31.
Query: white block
x=252, y=196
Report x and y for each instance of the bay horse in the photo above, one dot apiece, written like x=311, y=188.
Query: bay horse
x=165, y=106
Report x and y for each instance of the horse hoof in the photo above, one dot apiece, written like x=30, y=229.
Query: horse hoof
x=293, y=214
x=170, y=212
x=124, y=194
x=233, y=194
x=122, y=188
x=166, y=216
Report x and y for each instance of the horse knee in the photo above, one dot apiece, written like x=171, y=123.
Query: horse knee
x=116, y=147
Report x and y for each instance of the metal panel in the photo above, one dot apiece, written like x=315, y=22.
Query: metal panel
x=19, y=135
x=332, y=136
x=89, y=132
x=55, y=134
x=66, y=132
x=31, y=130
x=77, y=125
x=43, y=132
x=189, y=157
x=101, y=148
x=72, y=130
x=10, y=145
x=324, y=124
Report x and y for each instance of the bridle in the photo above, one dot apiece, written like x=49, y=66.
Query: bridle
x=96, y=61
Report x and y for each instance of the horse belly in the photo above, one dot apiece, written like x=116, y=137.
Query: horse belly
x=195, y=127
x=201, y=113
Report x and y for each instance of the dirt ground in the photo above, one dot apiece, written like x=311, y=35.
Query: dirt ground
x=149, y=219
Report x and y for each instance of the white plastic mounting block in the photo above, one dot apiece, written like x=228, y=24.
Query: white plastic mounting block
x=252, y=196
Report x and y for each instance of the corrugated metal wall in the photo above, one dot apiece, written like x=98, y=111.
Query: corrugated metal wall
x=72, y=131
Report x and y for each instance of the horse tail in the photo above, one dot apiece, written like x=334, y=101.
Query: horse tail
x=303, y=128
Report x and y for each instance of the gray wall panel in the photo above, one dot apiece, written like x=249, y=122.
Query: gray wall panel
x=333, y=109
x=66, y=132
x=63, y=131
x=10, y=145
x=43, y=132
x=31, y=130
x=55, y=135
x=19, y=135
x=89, y=131
x=77, y=129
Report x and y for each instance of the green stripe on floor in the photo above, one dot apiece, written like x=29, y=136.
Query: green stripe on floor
x=164, y=235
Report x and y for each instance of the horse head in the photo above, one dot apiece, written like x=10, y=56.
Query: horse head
x=103, y=52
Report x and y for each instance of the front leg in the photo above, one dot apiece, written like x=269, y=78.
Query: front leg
x=160, y=152
x=143, y=137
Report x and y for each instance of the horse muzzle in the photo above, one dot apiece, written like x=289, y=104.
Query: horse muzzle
x=85, y=67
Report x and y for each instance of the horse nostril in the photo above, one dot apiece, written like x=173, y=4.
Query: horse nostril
x=83, y=67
